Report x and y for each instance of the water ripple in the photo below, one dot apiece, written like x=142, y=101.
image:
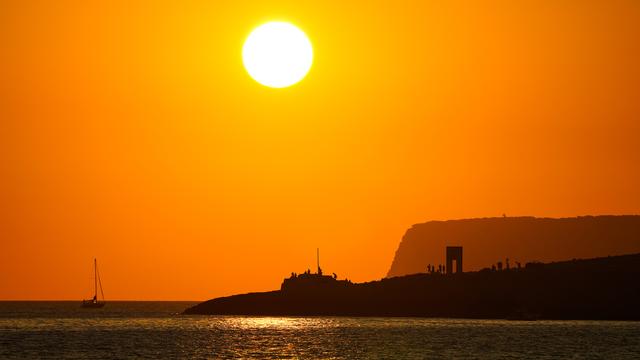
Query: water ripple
x=161, y=333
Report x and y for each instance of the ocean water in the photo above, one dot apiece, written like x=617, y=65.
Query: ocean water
x=120, y=330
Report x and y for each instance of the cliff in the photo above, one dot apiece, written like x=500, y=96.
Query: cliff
x=521, y=239
x=603, y=288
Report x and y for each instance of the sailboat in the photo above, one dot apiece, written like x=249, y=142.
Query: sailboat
x=95, y=303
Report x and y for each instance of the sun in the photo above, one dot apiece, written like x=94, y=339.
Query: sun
x=277, y=54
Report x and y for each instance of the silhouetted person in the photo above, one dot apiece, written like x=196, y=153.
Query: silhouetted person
x=493, y=268
x=499, y=265
x=507, y=263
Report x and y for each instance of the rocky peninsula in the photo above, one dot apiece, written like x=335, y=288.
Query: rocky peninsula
x=605, y=288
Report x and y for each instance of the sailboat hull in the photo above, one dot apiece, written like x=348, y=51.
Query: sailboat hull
x=88, y=304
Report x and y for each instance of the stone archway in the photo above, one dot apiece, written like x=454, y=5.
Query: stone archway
x=454, y=253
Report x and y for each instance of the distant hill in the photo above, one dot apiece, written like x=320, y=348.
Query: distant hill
x=521, y=239
x=603, y=288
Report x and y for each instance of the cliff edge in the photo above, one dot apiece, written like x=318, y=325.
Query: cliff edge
x=521, y=239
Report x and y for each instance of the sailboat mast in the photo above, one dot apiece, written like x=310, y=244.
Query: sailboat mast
x=95, y=277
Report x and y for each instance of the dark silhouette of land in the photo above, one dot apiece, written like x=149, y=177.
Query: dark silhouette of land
x=602, y=288
x=521, y=239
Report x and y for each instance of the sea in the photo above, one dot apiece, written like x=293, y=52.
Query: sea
x=155, y=330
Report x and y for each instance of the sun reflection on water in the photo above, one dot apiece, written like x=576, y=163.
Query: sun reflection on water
x=275, y=323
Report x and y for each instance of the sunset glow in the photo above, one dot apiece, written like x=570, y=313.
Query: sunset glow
x=141, y=135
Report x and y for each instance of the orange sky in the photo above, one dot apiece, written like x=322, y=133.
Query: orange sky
x=130, y=131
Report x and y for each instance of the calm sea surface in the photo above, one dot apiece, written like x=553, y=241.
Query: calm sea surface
x=156, y=330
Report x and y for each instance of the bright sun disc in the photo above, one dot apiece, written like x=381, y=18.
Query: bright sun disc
x=277, y=54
